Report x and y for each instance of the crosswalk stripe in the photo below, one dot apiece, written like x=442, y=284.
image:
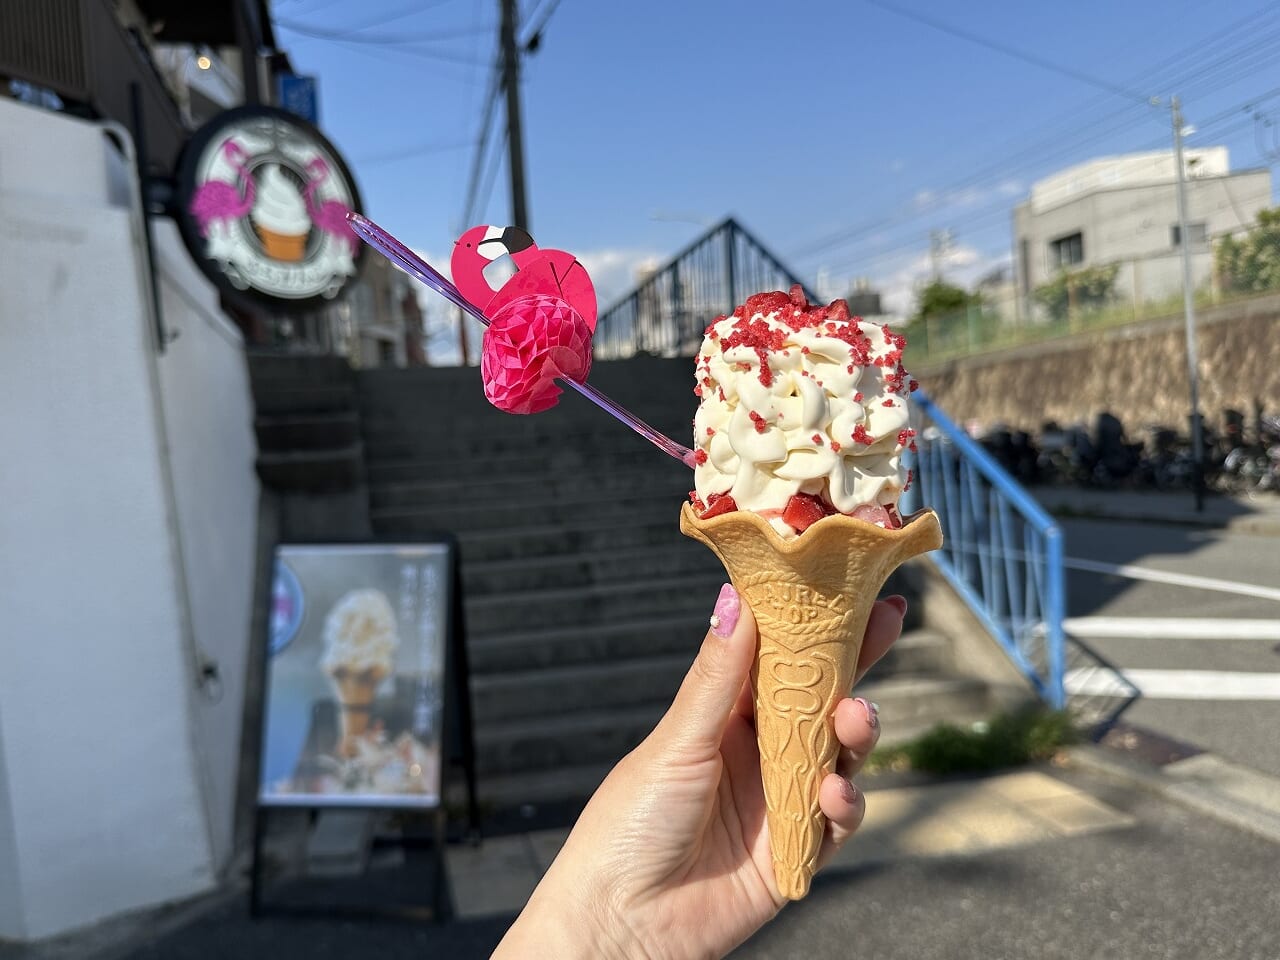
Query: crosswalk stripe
x=1177, y=579
x=1175, y=684
x=1171, y=628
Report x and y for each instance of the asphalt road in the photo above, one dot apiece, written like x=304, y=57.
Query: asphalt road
x=1173, y=886
x=1247, y=731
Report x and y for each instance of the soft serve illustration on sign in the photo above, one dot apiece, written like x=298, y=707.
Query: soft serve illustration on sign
x=266, y=204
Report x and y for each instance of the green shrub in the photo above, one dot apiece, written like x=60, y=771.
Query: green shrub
x=1007, y=740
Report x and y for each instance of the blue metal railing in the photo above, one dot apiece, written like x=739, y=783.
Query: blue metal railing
x=668, y=312
x=1003, y=553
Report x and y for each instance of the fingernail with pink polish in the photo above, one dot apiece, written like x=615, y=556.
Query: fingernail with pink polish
x=848, y=791
x=899, y=603
x=871, y=710
x=728, y=609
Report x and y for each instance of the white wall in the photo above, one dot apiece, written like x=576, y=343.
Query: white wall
x=116, y=776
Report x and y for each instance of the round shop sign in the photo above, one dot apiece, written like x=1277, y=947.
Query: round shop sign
x=262, y=200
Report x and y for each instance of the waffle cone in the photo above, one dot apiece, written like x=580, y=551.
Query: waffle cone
x=811, y=597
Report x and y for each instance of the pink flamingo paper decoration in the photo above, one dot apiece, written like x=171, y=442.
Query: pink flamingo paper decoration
x=329, y=216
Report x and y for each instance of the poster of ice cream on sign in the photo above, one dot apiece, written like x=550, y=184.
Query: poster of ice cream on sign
x=264, y=199
x=355, y=668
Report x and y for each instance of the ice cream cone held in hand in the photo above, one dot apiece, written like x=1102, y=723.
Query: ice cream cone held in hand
x=360, y=644
x=799, y=438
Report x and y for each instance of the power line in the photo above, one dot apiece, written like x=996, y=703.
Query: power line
x=535, y=32
x=405, y=153
x=1025, y=57
x=400, y=14
x=1052, y=145
x=388, y=40
x=481, y=145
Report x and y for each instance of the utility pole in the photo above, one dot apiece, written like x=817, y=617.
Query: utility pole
x=515, y=142
x=939, y=244
x=1188, y=306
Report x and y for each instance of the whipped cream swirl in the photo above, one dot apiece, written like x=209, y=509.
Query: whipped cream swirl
x=360, y=634
x=800, y=400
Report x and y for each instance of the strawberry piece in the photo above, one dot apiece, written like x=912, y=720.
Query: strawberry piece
x=803, y=510
x=718, y=503
x=895, y=520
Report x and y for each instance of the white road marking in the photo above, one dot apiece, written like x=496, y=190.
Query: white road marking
x=1176, y=684
x=1177, y=579
x=1171, y=628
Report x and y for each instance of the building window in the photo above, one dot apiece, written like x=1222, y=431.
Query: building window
x=1067, y=251
x=1196, y=232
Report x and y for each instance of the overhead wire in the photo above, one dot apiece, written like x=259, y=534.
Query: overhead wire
x=1010, y=51
x=1113, y=122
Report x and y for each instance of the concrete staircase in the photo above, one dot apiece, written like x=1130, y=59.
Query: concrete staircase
x=584, y=603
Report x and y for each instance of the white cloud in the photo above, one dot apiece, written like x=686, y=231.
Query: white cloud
x=616, y=272
x=962, y=265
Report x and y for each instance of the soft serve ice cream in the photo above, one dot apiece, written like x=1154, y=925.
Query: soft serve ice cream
x=280, y=215
x=803, y=414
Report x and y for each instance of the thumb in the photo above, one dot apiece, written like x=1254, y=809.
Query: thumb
x=701, y=708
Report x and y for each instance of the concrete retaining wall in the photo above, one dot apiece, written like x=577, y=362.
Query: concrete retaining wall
x=1139, y=372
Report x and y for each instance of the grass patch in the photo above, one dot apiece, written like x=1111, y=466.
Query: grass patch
x=1006, y=740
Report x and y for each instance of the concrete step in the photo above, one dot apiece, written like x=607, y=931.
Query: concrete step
x=312, y=471
x=311, y=431
x=283, y=400
x=514, y=790
x=591, y=643
x=553, y=461
x=294, y=368
x=681, y=556
x=911, y=705
x=464, y=513
x=581, y=535
x=606, y=685
x=509, y=486
x=563, y=741
x=915, y=652
x=599, y=603
x=597, y=445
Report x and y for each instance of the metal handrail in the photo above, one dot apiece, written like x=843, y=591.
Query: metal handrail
x=1003, y=554
x=668, y=312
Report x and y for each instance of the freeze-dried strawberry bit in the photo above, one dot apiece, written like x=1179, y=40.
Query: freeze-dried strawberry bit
x=914, y=385
x=887, y=403
x=757, y=335
x=817, y=439
x=904, y=436
x=860, y=435
x=895, y=521
x=911, y=475
x=835, y=446
x=711, y=431
x=758, y=421
x=838, y=310
x=698, y=505
x=857, y=397
x=796, y=293
x=699, y=457
x=764, y=304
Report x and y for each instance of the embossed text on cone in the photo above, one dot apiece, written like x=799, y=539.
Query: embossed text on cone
x=811, y=597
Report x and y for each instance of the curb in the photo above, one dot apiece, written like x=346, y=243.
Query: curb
x=1206, y=783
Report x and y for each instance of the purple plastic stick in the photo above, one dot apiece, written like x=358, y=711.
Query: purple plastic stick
x=416, y=267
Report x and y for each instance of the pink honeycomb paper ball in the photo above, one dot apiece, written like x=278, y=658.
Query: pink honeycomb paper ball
x=530, y=342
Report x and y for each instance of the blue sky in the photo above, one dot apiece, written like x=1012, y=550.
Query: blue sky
x=839, y=132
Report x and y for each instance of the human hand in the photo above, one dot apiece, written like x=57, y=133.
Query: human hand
x=671, y=856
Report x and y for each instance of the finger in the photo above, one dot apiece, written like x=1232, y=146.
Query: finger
x=844, y=806
x=710, y=689
x=745, y=706
x=858, y=730
x=883, y=627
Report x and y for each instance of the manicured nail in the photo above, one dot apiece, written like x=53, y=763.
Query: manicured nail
x=872, y=711
x=899, y=603
x=848, y=791
x=728, y=609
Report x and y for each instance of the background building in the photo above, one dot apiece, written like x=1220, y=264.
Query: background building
x=1123, y=210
